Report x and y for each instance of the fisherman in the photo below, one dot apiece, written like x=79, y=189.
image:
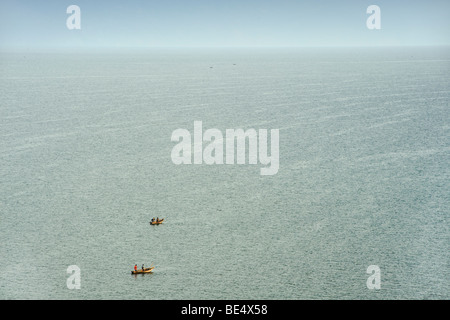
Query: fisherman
x=143, y=267
x=135, y=267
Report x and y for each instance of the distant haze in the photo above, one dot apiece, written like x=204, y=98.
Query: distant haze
x=213, y=23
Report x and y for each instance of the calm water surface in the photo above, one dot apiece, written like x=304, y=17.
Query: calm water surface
x=364, y=174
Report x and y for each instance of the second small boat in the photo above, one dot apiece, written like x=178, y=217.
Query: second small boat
x=145, y=270
x=157, y=221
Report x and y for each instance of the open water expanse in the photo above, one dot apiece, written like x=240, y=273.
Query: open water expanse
x=364, y=176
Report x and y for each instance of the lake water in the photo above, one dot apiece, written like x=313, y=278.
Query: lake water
x=85, y=163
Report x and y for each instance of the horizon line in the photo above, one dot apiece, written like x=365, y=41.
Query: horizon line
x=11, y=49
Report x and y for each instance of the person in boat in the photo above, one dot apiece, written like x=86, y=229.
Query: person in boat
x=153, y=219
x=143, y=267
x=135, y=267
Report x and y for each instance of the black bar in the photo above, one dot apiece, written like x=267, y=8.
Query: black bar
x=220, y=309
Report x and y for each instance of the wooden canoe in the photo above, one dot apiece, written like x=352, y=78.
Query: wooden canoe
x=146, y=270
x=156, y=222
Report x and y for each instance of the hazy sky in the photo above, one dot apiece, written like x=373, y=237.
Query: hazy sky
x=147, y=23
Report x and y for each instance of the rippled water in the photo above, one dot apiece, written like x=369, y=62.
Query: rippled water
x=363, y=180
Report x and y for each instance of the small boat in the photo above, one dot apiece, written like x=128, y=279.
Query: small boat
x=145, y=270
x=156, y=221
